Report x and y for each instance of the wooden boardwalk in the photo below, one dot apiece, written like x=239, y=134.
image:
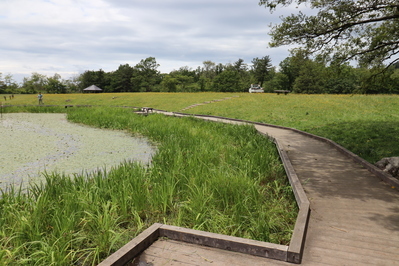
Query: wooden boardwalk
x=354, y=217
x=170, y=252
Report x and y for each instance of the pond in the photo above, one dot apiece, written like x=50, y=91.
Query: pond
x=33, y=143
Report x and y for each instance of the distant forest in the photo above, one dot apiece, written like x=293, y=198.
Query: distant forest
x=297, y=73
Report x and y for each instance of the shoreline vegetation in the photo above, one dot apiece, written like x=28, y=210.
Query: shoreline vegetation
x=208, y=176
x=367, y=125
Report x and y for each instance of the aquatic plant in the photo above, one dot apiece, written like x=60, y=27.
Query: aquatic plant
x=221, y=178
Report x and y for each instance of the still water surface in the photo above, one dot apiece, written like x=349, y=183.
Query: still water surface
x=33, y=143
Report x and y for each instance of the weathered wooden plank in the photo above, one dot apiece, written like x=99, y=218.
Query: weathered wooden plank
x=330, y=255
x=297, y=243
x=170, y=252
x=134, y=247
x=248, y=246
x=300, y=195
x=346, y=241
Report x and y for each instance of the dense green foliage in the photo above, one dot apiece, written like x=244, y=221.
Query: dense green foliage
x=261, y=69
x=208, y=176
x=365, y=30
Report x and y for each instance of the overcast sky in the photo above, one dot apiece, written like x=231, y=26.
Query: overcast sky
x=70, y=36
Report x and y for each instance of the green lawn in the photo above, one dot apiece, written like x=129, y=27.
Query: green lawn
x=366, y=125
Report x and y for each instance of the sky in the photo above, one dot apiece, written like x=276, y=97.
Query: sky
x=69, y=37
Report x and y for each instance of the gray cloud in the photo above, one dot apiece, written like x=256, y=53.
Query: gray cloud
x=70, y=36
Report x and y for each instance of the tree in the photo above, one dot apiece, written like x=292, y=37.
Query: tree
x=219, y=68
x=2, y=84
x=206, y=74
x=261, y=69
x=55, y=84
x=36, y=83
x=280, y=81
x=239, y=65
x=227, y=81
x=311, y=78
x=245, y=78
x=185, y=78
x=169, y=83
x=366, y=30
x=121, y=79
x=90, y=77
x=377, y=80
x=209, y=69
x=290, y=67
x=145, y=75
x=11, y=85
x=342, y=79
x=72, y=84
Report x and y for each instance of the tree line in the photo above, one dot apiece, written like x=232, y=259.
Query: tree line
x=298, y=73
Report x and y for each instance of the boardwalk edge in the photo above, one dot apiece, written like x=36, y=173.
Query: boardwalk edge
x=134, y=247
x=292, y=253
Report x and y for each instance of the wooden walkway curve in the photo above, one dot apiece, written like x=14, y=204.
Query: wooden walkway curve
x=354, y=218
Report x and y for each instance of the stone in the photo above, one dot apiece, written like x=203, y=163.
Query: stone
x=389, y=165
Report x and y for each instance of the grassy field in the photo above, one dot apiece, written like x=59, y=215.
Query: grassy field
x=83, y=219
x=366, y=125
x=165, y=101
x=214, y=177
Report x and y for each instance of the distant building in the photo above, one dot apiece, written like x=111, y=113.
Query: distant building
x=92, y=88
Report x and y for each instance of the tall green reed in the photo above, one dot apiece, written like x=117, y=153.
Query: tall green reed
x=208, y=176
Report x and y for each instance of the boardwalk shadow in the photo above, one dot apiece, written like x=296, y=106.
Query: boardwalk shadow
x=390, y=221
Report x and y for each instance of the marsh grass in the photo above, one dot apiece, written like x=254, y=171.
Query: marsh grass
x=208, y=176
x=365, y=124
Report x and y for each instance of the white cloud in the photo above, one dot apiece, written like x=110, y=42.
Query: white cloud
x=70, y=36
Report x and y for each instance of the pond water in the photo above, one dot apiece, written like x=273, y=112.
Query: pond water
x=33, y=143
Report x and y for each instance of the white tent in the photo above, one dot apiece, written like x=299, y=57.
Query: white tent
x=92, y=88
